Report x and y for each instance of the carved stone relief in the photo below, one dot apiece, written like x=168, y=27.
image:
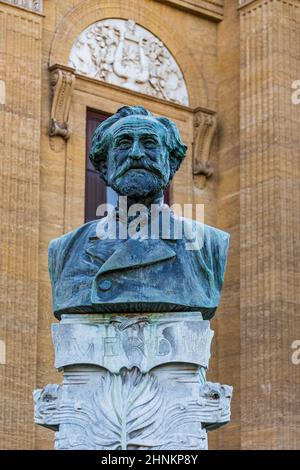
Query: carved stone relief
x=132, y=382
x=123, y=53
x=34, y=5
x=130, y=410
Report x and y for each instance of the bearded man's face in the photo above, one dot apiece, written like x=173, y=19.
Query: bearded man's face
x=138, y=159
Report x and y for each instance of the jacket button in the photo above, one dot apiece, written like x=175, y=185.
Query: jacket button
x=105, y=285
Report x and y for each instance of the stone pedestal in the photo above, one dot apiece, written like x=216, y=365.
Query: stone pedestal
x=132, y=382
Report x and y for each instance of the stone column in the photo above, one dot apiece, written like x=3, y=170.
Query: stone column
x=132, y=382
x=270, y=214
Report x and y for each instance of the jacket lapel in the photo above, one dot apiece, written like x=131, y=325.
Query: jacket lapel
x=132, y=253
x=136, y=253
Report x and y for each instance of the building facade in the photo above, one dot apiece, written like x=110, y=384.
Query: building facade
x=224, y=72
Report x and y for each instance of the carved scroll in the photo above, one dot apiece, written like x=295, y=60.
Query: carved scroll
x=62, y=84
x=205, y=124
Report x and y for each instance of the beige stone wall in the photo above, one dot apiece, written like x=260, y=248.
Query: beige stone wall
x=20, y=74
x=270, y=196
x=225, y=365
x=212, y=9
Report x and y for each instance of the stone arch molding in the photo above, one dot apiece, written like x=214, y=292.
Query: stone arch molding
x=123, y=53
x=90, y=12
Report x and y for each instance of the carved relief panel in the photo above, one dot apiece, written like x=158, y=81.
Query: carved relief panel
x=124, y=53
x=132, y=382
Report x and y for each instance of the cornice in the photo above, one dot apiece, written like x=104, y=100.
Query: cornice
x=211, y=9
x=250, y=5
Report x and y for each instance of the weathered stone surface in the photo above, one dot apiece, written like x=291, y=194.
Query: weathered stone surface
x=114, y=342
x=123, y=404
x=167, y=421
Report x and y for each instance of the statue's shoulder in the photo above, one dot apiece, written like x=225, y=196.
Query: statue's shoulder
x=216, y=235
x=217, y=243
x=73, y=235
x=208, y=234
x=60, y=246
x=209, y=246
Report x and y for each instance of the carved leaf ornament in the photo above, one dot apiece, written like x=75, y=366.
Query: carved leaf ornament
x=130, y=406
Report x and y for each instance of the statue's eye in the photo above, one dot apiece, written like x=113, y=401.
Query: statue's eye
x=149, y=142
x=124, y=143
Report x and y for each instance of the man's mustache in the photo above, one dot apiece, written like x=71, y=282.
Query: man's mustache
x=139, y=166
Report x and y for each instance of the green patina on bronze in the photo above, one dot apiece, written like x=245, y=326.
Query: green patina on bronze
x=138, y=154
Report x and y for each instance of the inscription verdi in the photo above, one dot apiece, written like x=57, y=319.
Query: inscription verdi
x=144, y=342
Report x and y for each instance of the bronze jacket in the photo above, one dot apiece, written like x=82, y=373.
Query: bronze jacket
x=89, y=274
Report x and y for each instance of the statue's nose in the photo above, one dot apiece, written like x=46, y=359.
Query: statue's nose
x=136, y=153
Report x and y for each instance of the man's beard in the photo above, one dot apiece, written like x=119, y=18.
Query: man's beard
x=139, y=182
x=140, y=179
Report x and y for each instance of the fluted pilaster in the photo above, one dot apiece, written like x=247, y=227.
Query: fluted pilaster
x=270, y=214
x=20, y=74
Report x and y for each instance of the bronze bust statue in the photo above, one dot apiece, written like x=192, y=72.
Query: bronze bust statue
x=138, y=154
